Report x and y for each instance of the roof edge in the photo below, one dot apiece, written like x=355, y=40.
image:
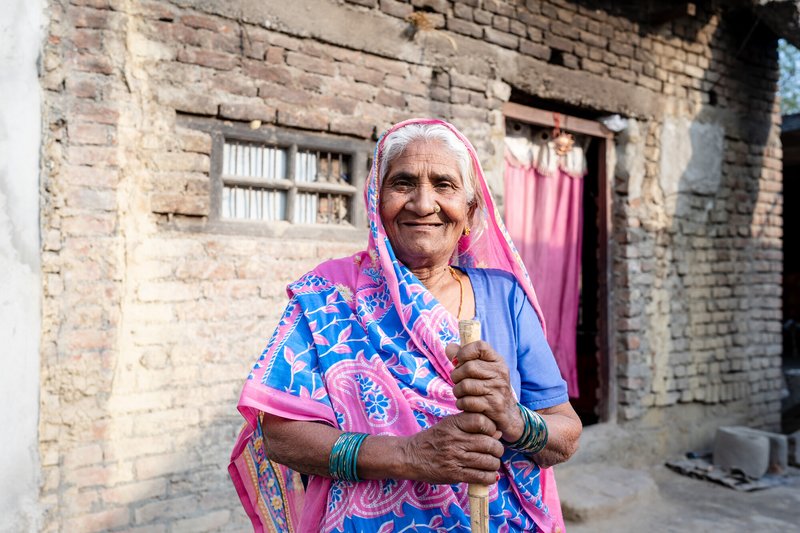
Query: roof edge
x=782, y=17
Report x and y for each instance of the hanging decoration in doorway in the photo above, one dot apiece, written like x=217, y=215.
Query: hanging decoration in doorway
x=528, y=145
x=563, y=140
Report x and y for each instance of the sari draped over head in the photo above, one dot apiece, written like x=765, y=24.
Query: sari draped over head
x=361, y=347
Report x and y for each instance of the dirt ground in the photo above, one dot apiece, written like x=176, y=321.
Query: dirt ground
x=688, y=505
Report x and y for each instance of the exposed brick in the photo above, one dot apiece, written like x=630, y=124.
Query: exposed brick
x=90, y=199
x=518, y=28
x=482, y=17
x=349, y=126
x=273, y=91
x=564, y=30
x=501, y=23
x=622, y=49
x=93, y=63
x=559, y=43
x=303, y=119
x=499, y=7
x=84, y=88
x=184, y=161
x=91, y=133
x=135, y=492
x=361, y=92
x=100, y=521
x=310, y=64
x=268, y=72
x=503, y=39
x=468, y=82
x=390, y=98
x=215, y=24
x=593, y=39
x=208, y=58
x=395, y=68
x=411, y=86
x=396, y=9
x=275, y=54
x=532, y=49
x=180, y=203
x=92, y=156
x=459, y=96
x=104, y=19
x=344, y=106
x=87, y=39
x=181, y=100
x=83, y=456
x=462, y=11
x=166, y=509
x=464, y=27
x=362, y=74
x=252, y=110
x=194, y=141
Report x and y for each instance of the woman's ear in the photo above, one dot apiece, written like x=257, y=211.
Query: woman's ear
x=471, y=208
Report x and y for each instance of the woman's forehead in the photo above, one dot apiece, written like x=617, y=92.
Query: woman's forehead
x=425, y=152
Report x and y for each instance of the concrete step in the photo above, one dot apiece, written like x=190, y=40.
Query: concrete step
x=592, y=491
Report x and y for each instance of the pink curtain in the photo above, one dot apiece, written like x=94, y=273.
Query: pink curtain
x=544, y=216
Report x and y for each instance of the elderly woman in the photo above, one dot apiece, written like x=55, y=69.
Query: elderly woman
x=364, y=389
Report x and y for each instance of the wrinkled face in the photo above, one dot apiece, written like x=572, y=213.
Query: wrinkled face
x=423, y=175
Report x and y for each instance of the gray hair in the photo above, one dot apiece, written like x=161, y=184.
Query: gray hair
x=397, y=141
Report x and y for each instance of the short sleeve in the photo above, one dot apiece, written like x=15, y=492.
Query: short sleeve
x=541, y=383
x=286, y=380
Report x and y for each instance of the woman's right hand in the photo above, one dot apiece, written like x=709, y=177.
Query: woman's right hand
x=462, y=448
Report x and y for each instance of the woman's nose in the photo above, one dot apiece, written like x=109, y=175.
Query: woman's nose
x=423, y=201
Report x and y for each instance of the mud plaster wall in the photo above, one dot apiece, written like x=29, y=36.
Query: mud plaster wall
x=21, y=35
x=151, y=319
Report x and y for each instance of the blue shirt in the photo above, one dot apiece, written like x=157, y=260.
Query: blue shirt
x=510, y=325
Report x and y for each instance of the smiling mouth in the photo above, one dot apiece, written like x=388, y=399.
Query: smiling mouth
x=422, y=224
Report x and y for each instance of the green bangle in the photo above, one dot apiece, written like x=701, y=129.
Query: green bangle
x=343, y=459
x=534, y=434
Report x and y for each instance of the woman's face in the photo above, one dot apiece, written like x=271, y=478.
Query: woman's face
x=423, y=175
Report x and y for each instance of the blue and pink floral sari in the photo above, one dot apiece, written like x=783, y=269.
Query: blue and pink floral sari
x=361, y=347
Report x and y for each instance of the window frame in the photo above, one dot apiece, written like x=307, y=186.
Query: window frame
x=358, y=151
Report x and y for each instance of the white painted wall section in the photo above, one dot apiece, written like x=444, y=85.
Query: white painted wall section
x=21, y=38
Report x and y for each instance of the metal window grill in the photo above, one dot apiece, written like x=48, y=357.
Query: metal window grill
x=259, y=183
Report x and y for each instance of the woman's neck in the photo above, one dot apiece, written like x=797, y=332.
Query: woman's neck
x=434, y=278
x=451, y=288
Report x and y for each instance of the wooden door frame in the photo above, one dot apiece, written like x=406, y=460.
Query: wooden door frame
x=607, y=400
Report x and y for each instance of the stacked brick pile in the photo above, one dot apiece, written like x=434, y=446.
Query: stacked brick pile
x=151, y=320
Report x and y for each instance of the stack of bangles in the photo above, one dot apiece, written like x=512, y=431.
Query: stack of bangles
x=534, y=436
x=344, y=456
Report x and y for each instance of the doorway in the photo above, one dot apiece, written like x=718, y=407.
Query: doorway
x=790, y=139
x=591, y=369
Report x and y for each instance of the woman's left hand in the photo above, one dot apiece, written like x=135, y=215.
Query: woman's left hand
x=482, y=385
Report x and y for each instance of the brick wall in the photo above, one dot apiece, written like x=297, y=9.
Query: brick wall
x=151, y=318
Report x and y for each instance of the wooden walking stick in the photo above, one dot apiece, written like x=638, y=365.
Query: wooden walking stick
x=470, y=331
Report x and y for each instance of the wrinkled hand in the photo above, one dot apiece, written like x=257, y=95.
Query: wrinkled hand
x=482, y=385
x=462, y=448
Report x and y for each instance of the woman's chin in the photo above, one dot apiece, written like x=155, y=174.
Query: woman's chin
x=425, y=257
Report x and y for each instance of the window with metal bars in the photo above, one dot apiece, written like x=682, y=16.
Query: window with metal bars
x=280, y=182
x=265, y=182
